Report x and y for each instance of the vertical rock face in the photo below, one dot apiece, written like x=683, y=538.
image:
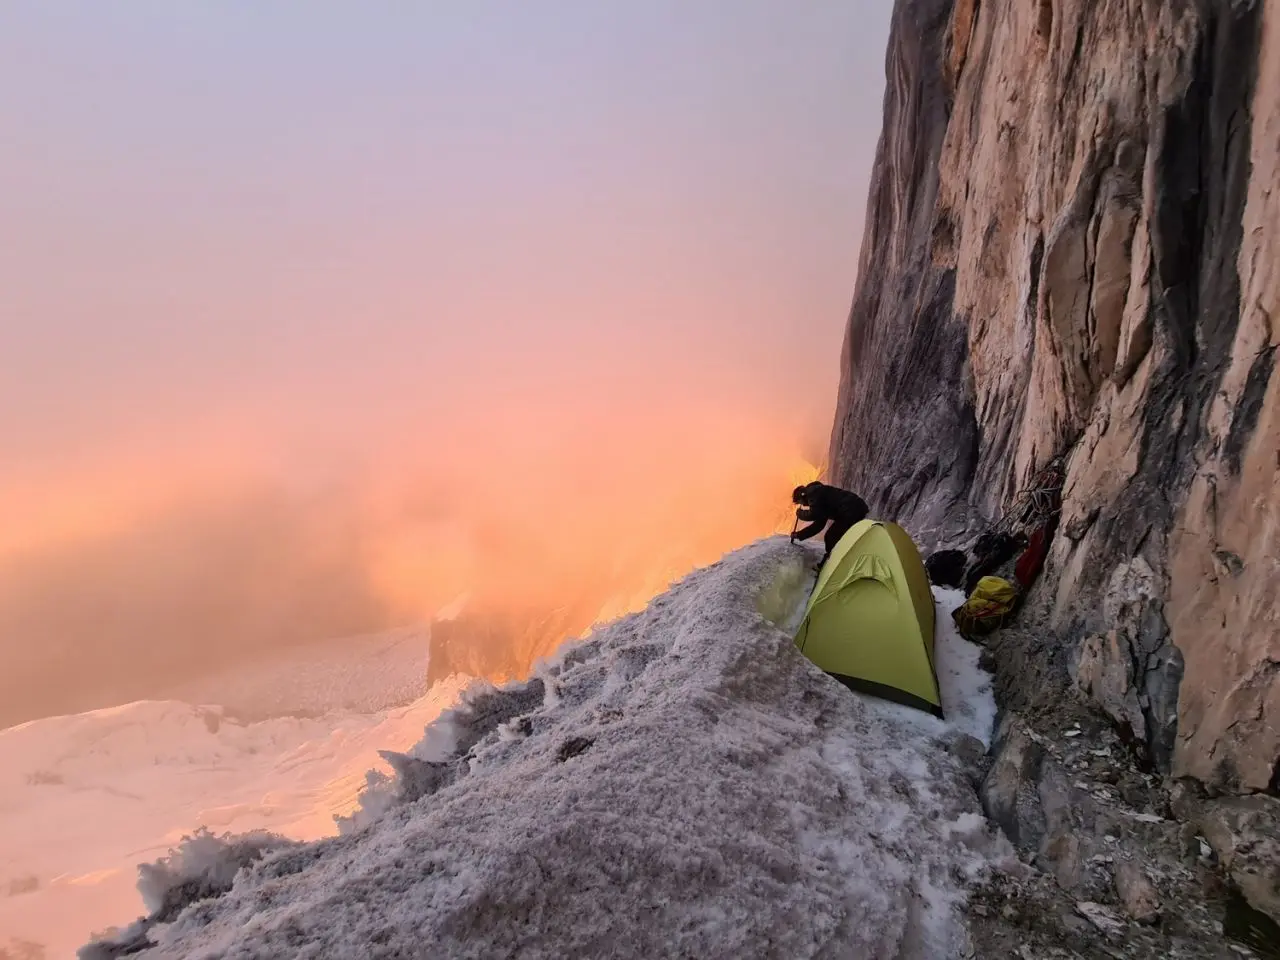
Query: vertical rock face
x=1073, y=246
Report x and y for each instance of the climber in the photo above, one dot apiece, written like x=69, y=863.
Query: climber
x=818, y=503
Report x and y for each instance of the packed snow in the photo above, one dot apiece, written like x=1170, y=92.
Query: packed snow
x=968, y=699
x=85, y=798
x=680, y=783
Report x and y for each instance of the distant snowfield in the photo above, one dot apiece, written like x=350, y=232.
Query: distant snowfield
x=681, y=783
x=86, y=798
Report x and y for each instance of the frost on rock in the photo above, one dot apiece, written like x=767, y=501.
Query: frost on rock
x=201, y=867
x=680, y=783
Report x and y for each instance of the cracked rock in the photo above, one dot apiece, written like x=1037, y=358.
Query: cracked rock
x=1244, y=833
x=1137, y=893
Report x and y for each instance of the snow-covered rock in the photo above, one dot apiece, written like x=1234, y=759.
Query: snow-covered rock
x=680, y=783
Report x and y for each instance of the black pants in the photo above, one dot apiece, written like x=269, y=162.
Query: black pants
x=839, y=527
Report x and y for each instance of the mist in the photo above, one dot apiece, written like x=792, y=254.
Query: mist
x=314, y=326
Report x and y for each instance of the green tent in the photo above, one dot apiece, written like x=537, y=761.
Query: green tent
x=870, y=619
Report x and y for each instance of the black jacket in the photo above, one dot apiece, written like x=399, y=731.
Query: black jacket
x=820, y=503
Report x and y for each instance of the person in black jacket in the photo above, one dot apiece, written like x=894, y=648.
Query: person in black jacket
x=818, y=504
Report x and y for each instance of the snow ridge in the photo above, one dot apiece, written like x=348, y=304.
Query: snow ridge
x=680, y=783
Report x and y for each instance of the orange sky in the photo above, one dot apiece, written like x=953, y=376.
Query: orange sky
x=309, y=327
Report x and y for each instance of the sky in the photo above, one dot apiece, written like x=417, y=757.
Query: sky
x=314, y=317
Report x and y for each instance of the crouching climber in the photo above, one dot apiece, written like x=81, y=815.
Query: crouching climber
x=818, y=503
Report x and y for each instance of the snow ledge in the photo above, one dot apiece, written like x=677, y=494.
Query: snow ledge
x=681, y=782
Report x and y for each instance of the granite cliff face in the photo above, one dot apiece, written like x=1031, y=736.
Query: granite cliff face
x=1073, y=247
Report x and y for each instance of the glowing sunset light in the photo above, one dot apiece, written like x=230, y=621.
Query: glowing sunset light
x=312, y=326
x=351, y=351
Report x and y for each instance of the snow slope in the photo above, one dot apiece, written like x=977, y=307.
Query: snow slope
x=681, y=783
x=85, y=798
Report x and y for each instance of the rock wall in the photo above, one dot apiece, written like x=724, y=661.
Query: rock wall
x=1072, y=247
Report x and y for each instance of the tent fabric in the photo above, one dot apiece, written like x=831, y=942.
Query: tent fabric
x=870, y=619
